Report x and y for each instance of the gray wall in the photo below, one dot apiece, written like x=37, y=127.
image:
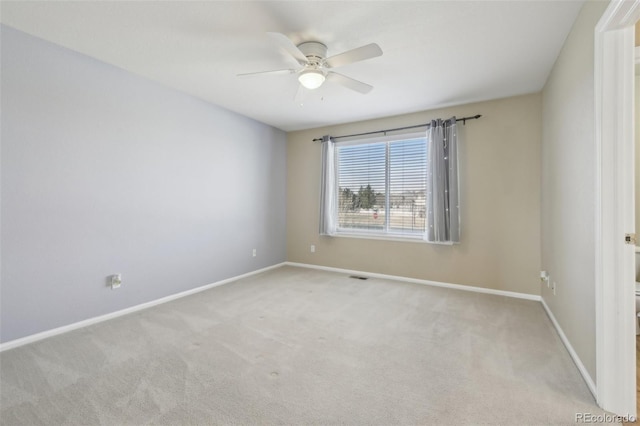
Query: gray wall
x=568, y=186
x=104, y=172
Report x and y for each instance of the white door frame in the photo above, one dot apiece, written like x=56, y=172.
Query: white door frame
x=615, y=301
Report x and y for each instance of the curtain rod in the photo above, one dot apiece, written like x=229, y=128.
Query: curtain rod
x=463, y=119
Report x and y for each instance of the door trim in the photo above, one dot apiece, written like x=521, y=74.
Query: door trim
x=614, y=215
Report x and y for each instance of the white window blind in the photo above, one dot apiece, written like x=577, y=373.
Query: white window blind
x=381, y=186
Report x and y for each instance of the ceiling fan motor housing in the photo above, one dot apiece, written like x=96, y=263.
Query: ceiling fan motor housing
x=315, y=51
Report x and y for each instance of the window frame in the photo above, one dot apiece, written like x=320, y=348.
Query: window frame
x=386, y=233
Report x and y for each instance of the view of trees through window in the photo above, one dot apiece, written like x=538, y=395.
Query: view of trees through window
x=382, y=186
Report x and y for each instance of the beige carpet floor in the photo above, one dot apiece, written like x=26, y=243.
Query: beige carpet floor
x=299, y=346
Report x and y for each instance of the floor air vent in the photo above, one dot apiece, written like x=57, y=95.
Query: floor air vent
x=357, y=277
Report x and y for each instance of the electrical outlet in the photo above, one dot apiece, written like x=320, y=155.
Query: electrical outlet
x=116, y=281
x=313, y=248
x=544, y=277
x=255, y=252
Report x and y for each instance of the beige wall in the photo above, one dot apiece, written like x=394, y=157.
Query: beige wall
x=500, y=199
x=568, y=186
x=638, y=33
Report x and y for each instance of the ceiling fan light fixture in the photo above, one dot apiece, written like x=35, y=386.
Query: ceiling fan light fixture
x=311, y=79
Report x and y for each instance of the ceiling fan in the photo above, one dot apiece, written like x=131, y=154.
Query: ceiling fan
x=316, y=67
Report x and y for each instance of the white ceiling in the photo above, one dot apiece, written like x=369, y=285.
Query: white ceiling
x=436, y=53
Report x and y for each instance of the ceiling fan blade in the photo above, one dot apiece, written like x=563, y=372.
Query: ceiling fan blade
x=286, y=43
x=349, y=82
x=359, y=54
x=274, y=72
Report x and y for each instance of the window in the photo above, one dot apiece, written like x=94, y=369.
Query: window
x=381, y=186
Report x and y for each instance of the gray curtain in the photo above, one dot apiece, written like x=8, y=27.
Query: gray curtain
x=328, y=197
x=443, y=205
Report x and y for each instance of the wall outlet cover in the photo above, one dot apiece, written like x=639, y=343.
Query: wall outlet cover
x=116, y=281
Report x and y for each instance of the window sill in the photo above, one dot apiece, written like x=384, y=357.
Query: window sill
x=399, y=238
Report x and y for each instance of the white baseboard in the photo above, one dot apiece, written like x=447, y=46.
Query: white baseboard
x=84, y=323
x=419, y=281
x=576, y=359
